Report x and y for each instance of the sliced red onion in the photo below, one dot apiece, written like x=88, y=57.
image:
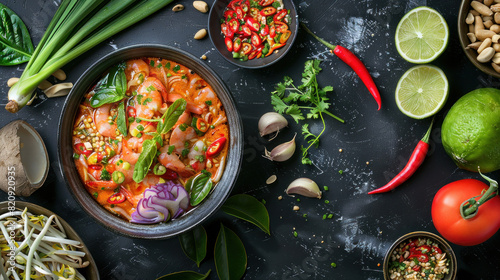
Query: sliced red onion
x=161, y=202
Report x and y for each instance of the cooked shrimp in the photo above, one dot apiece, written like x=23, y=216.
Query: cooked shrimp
x=137, y=70
x=127, y=170
x=131, y=149
x=195, y=153
x=184, y=118
x=148, y=100
x=102, y=121
x=178, y=137
x=173, y=162
x=205, y=94
x=190, y=106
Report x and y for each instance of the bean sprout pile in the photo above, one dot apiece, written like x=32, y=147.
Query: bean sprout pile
x=36, y=247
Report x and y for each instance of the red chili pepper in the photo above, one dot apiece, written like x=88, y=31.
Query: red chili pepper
x=202, y=125
x=424, y=249
x=240, y=13
x=80, y=149
x=350, y=59
x=229, y=44
x=272, y=31
x=170, y=175
x=216, y=147
x=234, y=25
x=416, y=159
x=279, y=16
x=256, y=40
x=237, y=45
x=266, y=2
x=437, y=250
x=247, y=48
x=116, y=198
x=273, y=48
x=264, y=31
x=95, y=166
x=284, y=37
x=281, y=27
x=416, y=268
x=267, y=11
x=245, y=31
x=252, y=23
x=226, y=31
x=229, y=14
x=420, y=257
x=131, y=111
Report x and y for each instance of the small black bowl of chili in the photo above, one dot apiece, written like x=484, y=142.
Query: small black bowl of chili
x=420, y=255
x=253, y=33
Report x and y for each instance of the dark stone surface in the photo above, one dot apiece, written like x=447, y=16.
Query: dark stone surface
x=363, y=227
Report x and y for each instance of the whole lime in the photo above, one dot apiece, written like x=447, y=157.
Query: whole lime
x=471, y=131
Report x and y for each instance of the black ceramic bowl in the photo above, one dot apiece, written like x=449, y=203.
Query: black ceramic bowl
x=214, y=31
x=471, y=54
x=443, y=245
x=195, y=216
x=90, y=272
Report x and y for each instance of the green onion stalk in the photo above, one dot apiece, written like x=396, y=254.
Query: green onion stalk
x=77, y=26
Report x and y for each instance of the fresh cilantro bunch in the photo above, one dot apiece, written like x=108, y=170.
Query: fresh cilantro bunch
x=291, y=100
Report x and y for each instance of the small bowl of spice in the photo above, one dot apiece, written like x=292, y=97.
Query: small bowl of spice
x=479, y=33
x=420, y=255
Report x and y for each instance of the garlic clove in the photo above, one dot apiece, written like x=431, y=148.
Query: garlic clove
x=271, y=122
x=57, y=90
x=305, y=187
x=282, y=152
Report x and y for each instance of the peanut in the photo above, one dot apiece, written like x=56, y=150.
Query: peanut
x=472, y=37
x=496, y=17
x=483, y=34
x=478, y=24
x=495, y=67
x=202, y=33
x=201, y=6
x=486, y=55
x=178, y=8
x=59, y=74
x=481, y=8
x=488, y=24
x=495, y=38
x=469, y=19
x=496, y=46
x=485, y=44
x=474, y=46
x=495, y=28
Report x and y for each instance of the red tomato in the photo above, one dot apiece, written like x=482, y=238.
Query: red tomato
x=268, y=11
x=450, y=224
x=266, y=2
x=234, y=25
x=229, y=44
x=237, y=45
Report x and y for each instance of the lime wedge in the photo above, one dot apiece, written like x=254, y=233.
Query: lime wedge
x=421, y=35
x=422, y=91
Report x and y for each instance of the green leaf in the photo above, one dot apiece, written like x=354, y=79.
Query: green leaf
x=171, y=116
x=294, y=111
x=145, y=160
x=120, y=119
x=194, y=244
x=111, y=88
x=248, y=208
x=230, y=255
x=185, y=275
x=15, y=42
x=199, y=187
x=279, y=105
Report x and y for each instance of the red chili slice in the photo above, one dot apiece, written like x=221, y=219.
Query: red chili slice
x=245, y=6
x=281, y=27
x=216, y=147
x=237, y=45
x=424, y=249
x=80, y=149
x=254, y=12
x=247, y=48
x=229, y=44
x=229, y=14
x=240, y=13
x=280, y=15
x=245, y=31
x=268, y=11
x=234, y=25
x=256, y=40
x=420, y=257
x=202, y=125
x=416, y=268
x=273, y=48
x=252, y=23
x=226, y=31
x=116, y=198
x=170, y=175
x=233, y=4
x=264, y=31
x=284, y=37
x=437, y=250
x=95, y=167
x=131, y=111
x=272, y=31
x=266, y=2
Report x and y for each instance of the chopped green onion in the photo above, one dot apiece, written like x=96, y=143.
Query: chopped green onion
x=118, y=177
x=159, y=169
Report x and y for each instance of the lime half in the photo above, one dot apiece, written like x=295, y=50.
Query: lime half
x=422, y=91
x=421, y=35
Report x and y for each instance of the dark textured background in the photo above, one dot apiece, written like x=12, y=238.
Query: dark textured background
x=363, y=227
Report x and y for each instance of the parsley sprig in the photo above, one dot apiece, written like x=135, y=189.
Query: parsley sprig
x=291, y=100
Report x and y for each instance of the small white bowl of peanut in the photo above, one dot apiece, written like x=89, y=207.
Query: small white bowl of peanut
x=420, y=255
x=479, y=32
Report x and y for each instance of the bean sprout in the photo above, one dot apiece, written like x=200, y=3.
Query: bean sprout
x=42, y=249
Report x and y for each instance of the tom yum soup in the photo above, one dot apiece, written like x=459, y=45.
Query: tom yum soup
x=150, y=140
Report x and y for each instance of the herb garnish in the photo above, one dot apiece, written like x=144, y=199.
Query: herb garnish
x=307, y=96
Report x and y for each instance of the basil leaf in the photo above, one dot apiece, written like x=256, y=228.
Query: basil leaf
x=111, y=88
x=248, y=208
x=171, y=116
x=194, y=244
x=199, y=187
x=230, y=255
x=185, y=275
x=15, y=42
x=120, y=119
x=145, y=160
